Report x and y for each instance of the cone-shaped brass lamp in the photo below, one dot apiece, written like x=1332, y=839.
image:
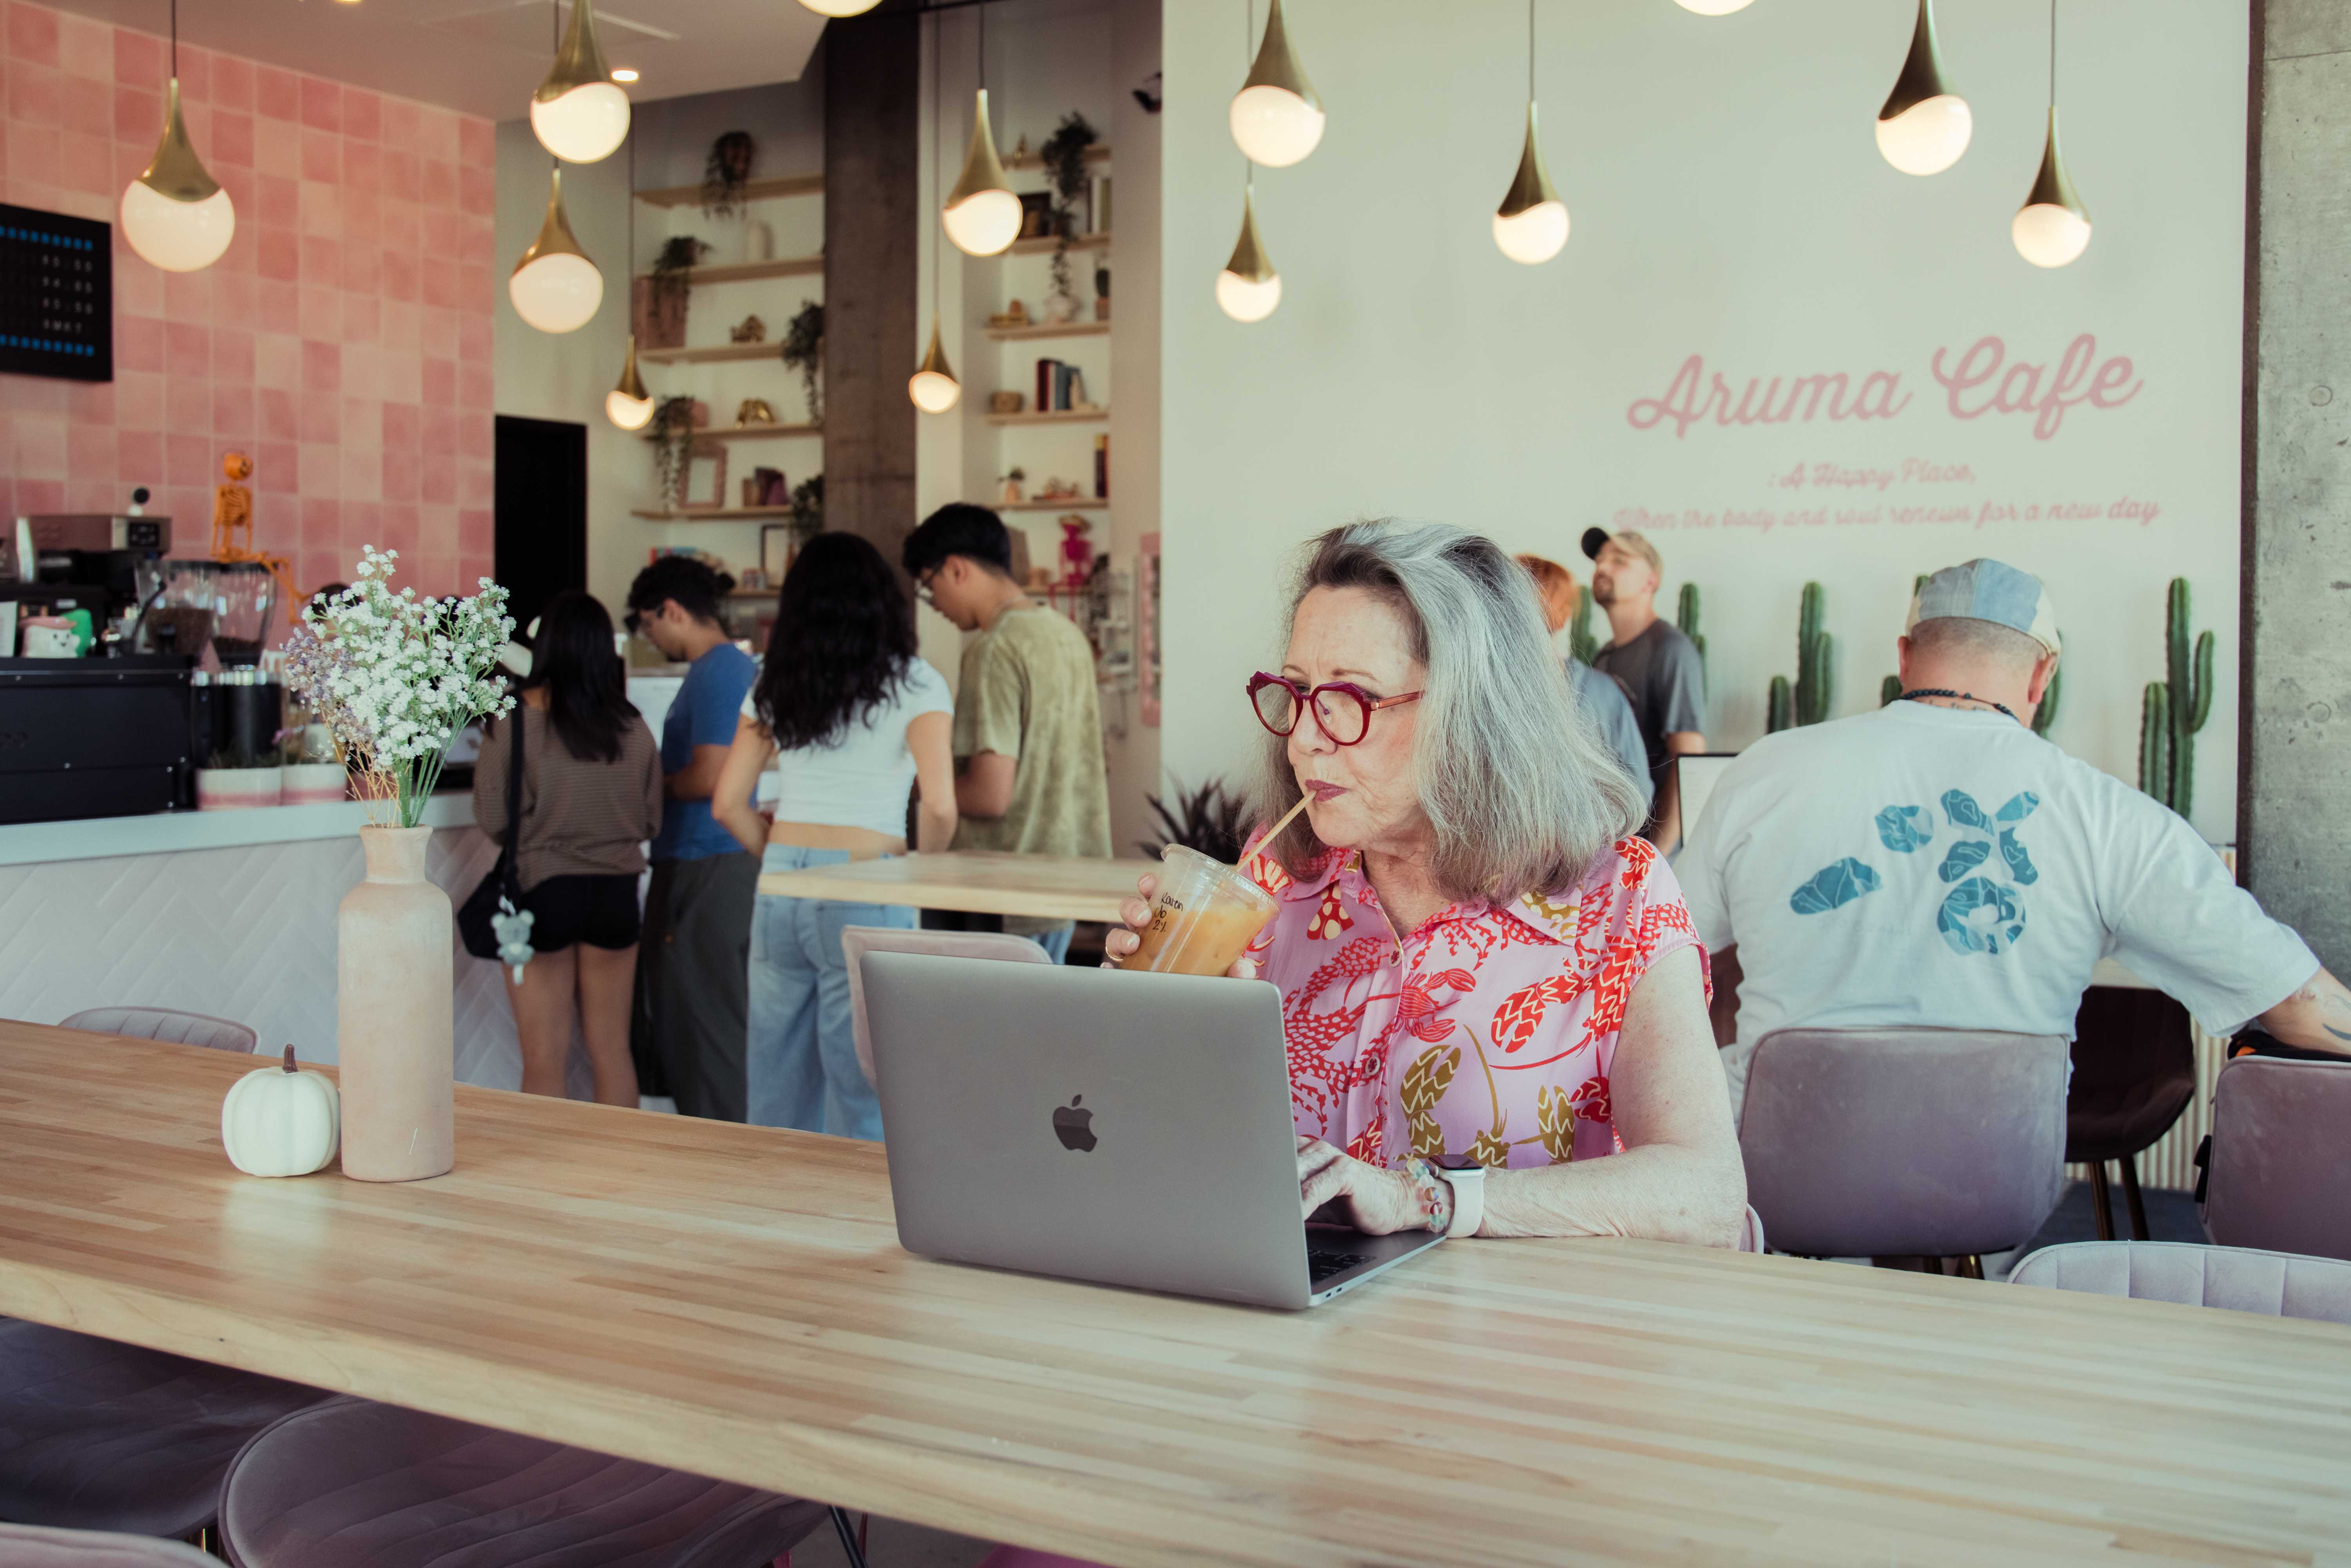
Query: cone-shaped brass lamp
x=932, y=386
x=579, y=112
x=555, y=287
x=840, y=8
x=1277, y=118
x=1925, y=124
x=982, y=214
x=175, y=214
x=2053, y=227
x=1713, y=7
x=1249, y=287
x=1530, y=226
x=629, y=405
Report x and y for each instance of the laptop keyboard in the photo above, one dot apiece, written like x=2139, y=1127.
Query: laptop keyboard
x=1322, y=1262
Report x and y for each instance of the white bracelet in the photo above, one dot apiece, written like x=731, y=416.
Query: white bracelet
x=1469, y=1184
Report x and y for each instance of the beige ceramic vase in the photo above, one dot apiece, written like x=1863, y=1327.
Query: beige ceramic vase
x=395, y=972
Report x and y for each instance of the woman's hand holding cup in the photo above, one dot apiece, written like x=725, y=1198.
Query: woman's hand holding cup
x=1135, y=916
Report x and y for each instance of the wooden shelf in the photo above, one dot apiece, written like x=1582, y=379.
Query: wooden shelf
x=715, y=354
x=1061, y=416
x=748, y=271
x=1044, y=246
x=755, y=432
x=753, y=191
x=713, y=514
x=1049, y=329
x=753, y=594
x=1098, y=153
x=1066, y=504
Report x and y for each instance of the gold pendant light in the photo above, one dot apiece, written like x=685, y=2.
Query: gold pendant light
x=838, y=8
x=628, y=404
x=1248, y=288
x=1277, y=118
x=555, y=287
x=933, y=387
x=1713, y=7
x=579, y=112
x=1530, y=226
x=175, y=214
x=1925, y=124
x=982, y=215
x=2053, y=227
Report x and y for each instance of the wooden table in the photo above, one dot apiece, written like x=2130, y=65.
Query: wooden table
x=733, y=1301
x=1043, y=887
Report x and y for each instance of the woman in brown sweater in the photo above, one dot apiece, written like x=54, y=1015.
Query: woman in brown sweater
x=591, y=796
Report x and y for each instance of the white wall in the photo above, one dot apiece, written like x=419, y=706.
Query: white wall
x=1728, y=202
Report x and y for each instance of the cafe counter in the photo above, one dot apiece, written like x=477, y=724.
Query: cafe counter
x=225, y=912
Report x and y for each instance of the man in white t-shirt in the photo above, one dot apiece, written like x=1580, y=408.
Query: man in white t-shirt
x=1936, y=864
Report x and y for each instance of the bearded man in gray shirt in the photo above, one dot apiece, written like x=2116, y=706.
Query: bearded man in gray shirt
x=1659, y=667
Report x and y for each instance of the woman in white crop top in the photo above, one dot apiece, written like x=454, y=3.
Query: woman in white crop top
x=854, y=719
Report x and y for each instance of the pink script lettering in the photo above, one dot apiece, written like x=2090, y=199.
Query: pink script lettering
x=1691, y=398
x=2036, y=390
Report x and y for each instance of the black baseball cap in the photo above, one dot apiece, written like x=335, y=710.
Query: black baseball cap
x=1593, y=540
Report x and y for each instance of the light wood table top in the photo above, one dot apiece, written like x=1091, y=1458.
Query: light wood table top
x=1043, y=887
x=733, y=1301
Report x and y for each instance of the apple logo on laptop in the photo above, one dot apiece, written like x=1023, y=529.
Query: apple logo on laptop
x=1074, y=1127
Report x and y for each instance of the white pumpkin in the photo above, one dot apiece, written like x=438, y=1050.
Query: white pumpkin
x=279, y=1122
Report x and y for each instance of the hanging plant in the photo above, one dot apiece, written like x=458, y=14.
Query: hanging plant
x=804, y=352
x=808, y=506
x=726, y=172
x=671, y=435
x=1064, y=157
x=668, y=278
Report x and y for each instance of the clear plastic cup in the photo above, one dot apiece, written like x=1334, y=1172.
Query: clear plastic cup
x=1203, y=919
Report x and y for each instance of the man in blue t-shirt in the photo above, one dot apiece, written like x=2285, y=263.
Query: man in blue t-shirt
x=690, y=1024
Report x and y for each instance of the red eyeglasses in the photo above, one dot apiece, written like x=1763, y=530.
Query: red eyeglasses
x=1343, y=710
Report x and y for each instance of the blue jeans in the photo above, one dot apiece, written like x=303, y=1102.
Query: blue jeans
x=801, y=1069
x=1056, y=942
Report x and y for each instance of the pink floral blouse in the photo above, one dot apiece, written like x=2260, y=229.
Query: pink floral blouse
x=1487, y=1035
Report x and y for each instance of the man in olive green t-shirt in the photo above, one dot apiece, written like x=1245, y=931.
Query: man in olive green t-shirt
x=1028, y=723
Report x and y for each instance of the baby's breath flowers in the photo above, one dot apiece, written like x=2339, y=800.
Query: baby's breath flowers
x=396, y=677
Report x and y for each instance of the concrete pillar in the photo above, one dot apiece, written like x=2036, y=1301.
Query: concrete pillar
x=872, y=72
x=2295, y=785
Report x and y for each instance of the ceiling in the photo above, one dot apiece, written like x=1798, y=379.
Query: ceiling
x=484, y=57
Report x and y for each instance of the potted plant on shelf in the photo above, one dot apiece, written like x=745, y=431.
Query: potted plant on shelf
x=808, y=508
x=396, y=677
x=804, y=352
x=233, y=780
x=1064, y=157
x=670, y=436
x=659, y=299
x=726, y=174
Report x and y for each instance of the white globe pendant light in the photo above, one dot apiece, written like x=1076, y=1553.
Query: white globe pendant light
x=1924, y=125
x=1277, y=118
x=1714, y=8
x=932, y=386
x=1530, y=226
x=628, y=404
x=840, y=7
x=2053, y=227
x=1248, y=288
x=555, y=287
x=579, y=112
x=175, y=216
x=982, y=215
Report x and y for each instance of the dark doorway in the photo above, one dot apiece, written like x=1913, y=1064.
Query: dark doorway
x=542, y=512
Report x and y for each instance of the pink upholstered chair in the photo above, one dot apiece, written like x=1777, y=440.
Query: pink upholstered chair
x=354, y=1484
x=37, y=1546
x=168, y=1024
x=2280, y=1163
x=1904, y=1142
x=856, y=941
x=2240, y=1279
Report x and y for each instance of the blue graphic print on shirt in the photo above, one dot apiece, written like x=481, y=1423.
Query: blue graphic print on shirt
x=1978, y=915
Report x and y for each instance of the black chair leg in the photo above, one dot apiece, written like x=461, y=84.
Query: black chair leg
x=849, y=1547
x=2130, y=1195
x=2102, y=1202
x=1971, y=1267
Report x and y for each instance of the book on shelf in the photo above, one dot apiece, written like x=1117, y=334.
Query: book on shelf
x=1045, y=368
x=1102, y=467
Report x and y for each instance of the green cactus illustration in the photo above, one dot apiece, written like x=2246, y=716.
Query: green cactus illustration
x=2046, y=715
x=1686, y=613
x=2175, y=709
x=1888, y=689
x=1808, y=702
x=1581, y=641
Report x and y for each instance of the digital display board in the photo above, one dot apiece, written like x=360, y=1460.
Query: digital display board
x=57, y=295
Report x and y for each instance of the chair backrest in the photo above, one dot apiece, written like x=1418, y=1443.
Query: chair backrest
x=856, y=941
x=2280, y=1160
x=1751, y=1237
x=2280, y=1284
x=1891, y=1142
x=167, y=1023
x=38, y=1546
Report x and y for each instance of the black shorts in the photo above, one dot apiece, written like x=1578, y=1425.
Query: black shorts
x=601, y=911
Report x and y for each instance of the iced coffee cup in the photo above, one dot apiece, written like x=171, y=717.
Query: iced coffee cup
x=1203, y=919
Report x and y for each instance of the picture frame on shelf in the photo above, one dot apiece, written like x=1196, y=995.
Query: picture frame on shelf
x=1037, y=215
x=705, y=475
x=776, y=550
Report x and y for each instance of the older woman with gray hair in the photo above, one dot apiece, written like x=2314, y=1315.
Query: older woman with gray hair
x=1489, y=983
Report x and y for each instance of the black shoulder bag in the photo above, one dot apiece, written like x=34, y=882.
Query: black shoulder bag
x=499, y=897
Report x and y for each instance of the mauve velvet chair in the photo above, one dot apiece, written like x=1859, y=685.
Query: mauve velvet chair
x=97, y=1434
x=2281, y=1157
x=355, y=1484
x=1904, y=1142
x=37, y=1546
x=2240, y=1279
x=856, y=941
x=166, y=1024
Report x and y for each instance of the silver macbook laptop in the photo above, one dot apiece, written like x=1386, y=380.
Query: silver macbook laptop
x=1123, y=1129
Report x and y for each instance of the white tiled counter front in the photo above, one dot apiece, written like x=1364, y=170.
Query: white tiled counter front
x=226, y=913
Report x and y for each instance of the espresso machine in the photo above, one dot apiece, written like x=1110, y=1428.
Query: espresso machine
x=108, y=564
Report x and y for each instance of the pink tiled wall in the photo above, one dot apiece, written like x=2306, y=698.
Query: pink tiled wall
x=343, y=343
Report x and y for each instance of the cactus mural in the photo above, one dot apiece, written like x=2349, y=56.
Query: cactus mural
x=1581, y=641
x=2046, y=713
x=2175, y=709
x=1888, y=689
x=1686, y=611
x=1807, y=702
